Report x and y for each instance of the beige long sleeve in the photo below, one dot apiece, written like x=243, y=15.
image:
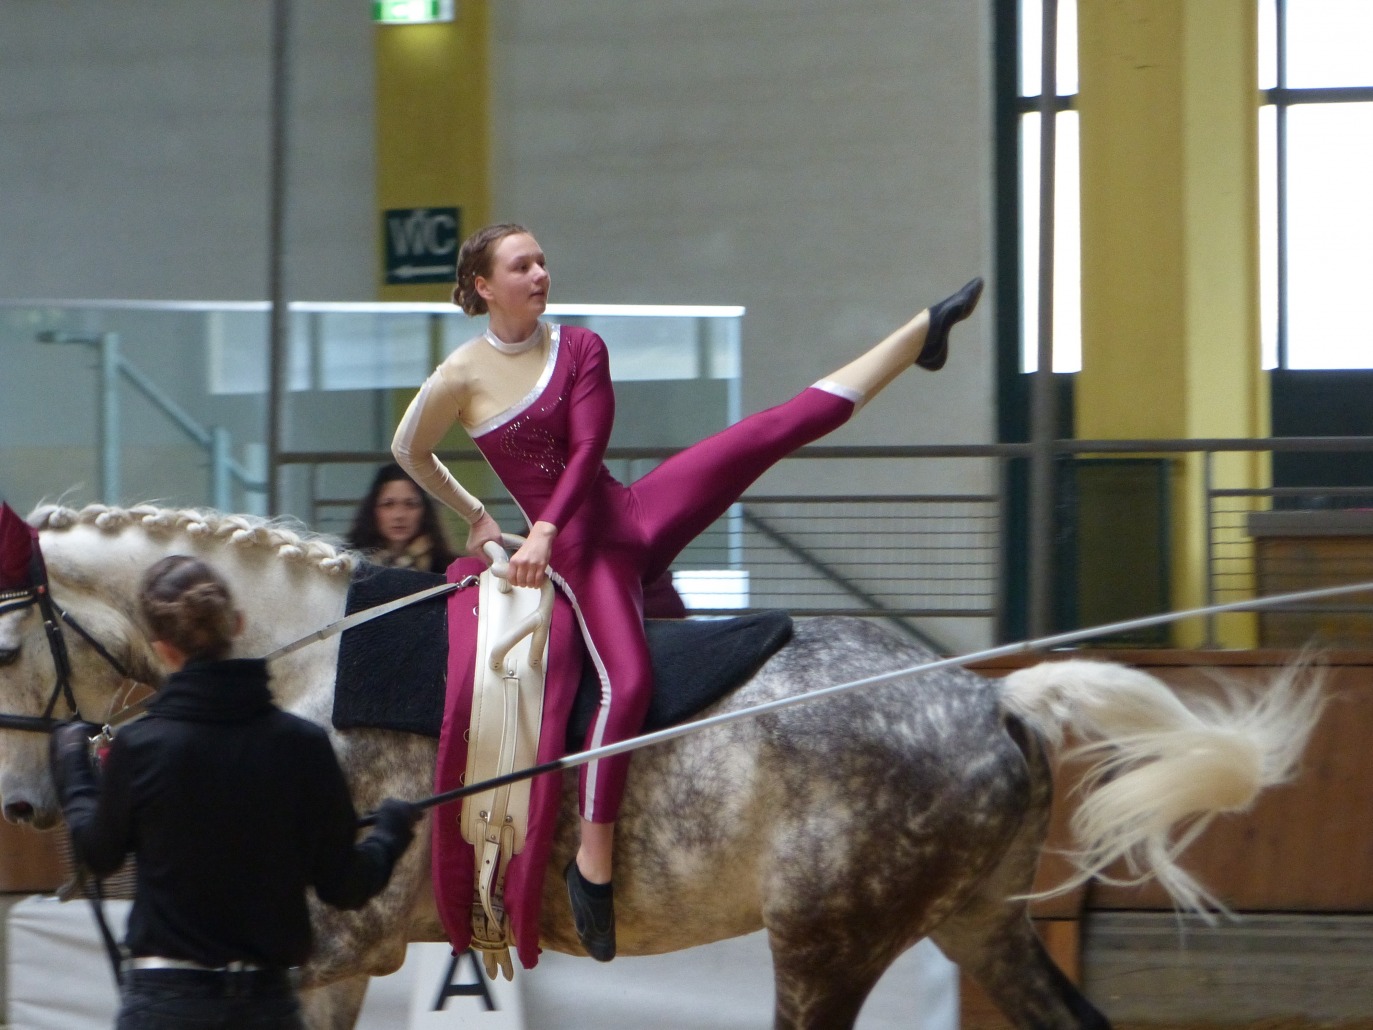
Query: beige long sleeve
x=430, y=415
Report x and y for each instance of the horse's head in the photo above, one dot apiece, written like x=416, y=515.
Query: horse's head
x=33, y=657
x=288, y=583
x=25, y=786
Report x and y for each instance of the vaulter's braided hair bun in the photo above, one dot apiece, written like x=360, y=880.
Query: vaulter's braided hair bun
x=474, y=259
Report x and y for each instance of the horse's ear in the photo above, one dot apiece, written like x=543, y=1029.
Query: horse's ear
x=18, y=546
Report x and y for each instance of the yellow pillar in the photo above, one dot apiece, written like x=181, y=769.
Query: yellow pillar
x=432, y=138
x=1168, y=105
x=433, y=151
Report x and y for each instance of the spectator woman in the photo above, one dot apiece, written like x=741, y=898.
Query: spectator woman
x=397, y=524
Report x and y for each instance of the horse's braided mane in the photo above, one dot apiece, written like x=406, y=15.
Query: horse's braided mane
x=290, y=540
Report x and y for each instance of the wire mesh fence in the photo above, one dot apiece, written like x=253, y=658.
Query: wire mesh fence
x=901, y=557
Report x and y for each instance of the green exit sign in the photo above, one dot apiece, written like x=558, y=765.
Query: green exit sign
x=411, y=12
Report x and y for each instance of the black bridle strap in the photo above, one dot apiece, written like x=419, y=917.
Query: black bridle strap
x=57, y=647
x=99, y=648
x=53, y=616
x=30, y=723
x=95, y=892
x=14, y=600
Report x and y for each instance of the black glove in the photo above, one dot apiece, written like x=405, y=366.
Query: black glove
x=69, y=753
x=398, y=817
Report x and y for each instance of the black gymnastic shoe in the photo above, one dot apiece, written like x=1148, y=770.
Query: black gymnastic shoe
x=593, y=912
x=943, y=317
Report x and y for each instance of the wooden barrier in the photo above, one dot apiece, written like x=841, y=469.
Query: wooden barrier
x=1304, y=847
x=30, y=862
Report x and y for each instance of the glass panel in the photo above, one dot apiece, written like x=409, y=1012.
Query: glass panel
x=649, y=348
x=1268, y=235
x=1329, y=43
x=1268, y=44
x=140, y=417
x=1330, y=235
x=1067, y=246
x=1031, y=47
x=189, y=381
x=372, y=351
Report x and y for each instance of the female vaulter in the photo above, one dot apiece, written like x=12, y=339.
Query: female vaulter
x=536, y=399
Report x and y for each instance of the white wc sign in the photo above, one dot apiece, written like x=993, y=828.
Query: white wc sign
x=421, y=244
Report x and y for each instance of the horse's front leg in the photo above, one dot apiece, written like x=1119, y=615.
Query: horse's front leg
x=334, y=1006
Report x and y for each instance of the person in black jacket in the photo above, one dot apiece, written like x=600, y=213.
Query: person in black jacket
x=232, y=808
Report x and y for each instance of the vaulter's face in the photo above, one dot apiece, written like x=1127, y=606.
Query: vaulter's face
x=518, y=283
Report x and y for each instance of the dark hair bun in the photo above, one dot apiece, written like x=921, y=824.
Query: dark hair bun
x=188, y=605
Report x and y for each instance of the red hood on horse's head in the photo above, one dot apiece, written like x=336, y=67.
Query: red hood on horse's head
x=18, y=550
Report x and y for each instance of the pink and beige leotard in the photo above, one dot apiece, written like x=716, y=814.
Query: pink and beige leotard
x=548, y=452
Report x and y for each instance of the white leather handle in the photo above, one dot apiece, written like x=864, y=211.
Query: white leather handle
x=535, y=625
x=499, y=559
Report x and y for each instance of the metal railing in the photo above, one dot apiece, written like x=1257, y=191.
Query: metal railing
x=905, y=558
x=225, y=471
x=915, y=559
x=1282, y=539
x=1246, y=556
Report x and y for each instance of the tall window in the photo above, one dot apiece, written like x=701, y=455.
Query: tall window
x=1067, y=303
x=1316, y=182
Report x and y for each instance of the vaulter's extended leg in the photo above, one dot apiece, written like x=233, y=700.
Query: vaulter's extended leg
x=693, y=488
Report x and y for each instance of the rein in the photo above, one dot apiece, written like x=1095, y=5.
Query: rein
x=136, y=709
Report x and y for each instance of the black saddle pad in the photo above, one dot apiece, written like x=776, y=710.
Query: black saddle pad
x=391, y=670
x=695, y=663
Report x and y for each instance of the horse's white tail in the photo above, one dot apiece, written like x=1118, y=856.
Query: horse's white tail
x=1155, y=763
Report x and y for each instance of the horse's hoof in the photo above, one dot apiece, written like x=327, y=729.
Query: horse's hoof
x=943, y=317
x=594, y=917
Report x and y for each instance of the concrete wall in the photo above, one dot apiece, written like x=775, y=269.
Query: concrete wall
x=828, y=166
x=136, y=145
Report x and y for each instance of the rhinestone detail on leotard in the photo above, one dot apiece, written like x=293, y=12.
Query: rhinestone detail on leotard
x=535, y=446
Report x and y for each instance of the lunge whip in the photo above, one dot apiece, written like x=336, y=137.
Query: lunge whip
x=695, y=726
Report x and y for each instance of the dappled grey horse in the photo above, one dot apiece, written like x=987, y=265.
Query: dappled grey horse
x=848, y=828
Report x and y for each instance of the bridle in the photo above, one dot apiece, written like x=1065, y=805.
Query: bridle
x=53, y=616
